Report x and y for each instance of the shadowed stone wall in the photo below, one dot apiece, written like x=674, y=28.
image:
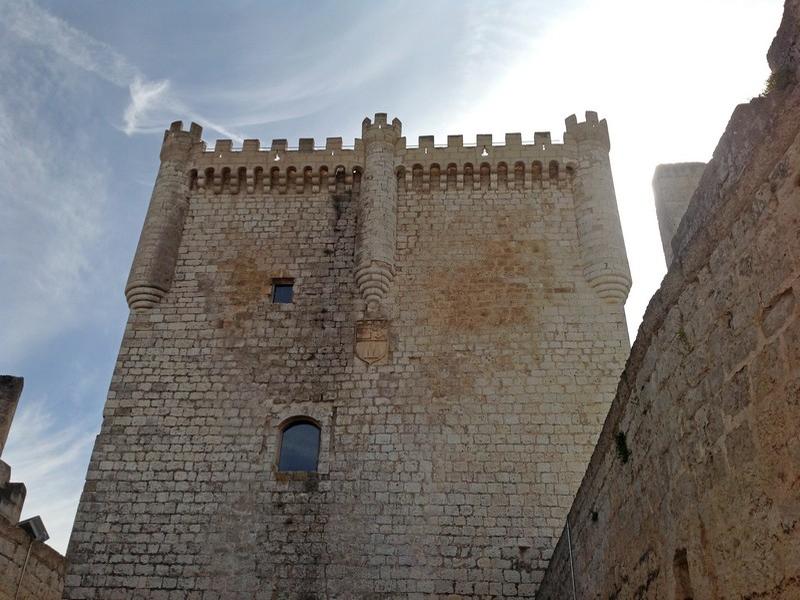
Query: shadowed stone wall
x=692, y=491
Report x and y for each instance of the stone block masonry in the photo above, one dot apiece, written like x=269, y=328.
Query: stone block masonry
x=29, y=570
x=456, y=333
x=692, y=491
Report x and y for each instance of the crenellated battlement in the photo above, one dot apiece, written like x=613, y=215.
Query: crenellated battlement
x=485, y=163
x=195, y=131
x=179, y=142
x=381, y=130
x=591, y=130
x=306, y=149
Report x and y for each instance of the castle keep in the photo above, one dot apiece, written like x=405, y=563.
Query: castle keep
x=375, y=371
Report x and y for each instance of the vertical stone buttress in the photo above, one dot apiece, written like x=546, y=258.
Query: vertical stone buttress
x=156, y=255
x=673, y=188
x=377, y=219
x=603, y=257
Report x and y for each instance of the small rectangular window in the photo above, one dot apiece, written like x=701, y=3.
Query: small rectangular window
x=282, y=291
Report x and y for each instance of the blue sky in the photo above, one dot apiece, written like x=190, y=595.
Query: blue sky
x=89, y=86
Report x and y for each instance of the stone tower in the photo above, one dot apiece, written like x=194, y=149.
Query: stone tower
x=673, y=186
x=444, y=325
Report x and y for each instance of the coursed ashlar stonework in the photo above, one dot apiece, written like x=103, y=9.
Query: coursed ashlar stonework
x=456, y=333
x=692, y=491
x=29, y=569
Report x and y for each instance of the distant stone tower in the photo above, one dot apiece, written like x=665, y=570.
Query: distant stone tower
x=367, y=372
x=673, y=186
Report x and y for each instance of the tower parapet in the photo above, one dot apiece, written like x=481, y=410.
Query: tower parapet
x=591, y=130
x=605, y=263
x=154, y=262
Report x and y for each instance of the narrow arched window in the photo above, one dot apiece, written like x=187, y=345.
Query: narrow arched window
x=299, y=446
x=401, y=179
x=452, y=176
x=519, y=175
x=241, y=180
x=553, y=169
x=536, y=171
x=486, y=176
x=339, y=176
x=416, y=177
x=357, y=173
x=436, y=174
x=274, y=179
x=225, y=182
x=502, y=176
x=469, y=176
x=323, y=179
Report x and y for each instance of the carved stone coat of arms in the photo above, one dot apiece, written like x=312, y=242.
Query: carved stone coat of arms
x=372, y=341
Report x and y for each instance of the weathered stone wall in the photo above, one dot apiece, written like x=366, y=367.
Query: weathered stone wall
x=692, y=491
x=43, y=577
x=29, y=570
x=446, y=467
x=10, y=390
x=12, y=495
x=673, y=187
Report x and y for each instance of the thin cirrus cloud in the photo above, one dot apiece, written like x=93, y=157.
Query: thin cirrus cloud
x=149, y=100
x=49, y=229
x=145, y=96
x=48, y=453
x=54, y=192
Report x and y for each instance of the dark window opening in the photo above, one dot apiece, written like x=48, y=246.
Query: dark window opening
x=283, y=292
x=299, y=447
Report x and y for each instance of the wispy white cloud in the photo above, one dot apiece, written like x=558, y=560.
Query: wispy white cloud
x=49, y=456
x=154, y=103
x=151, y=103
x=36, y=25
x=54, y=192
x=370, y=47
x=144, y=96
x=54, y=199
